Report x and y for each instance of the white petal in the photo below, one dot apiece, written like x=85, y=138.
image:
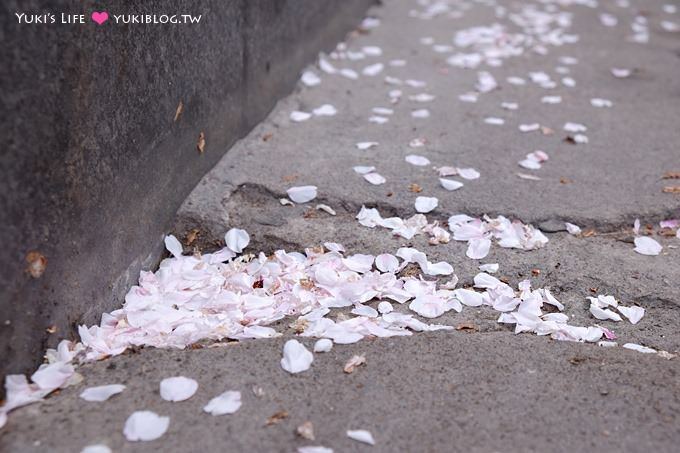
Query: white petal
x=469, y=297
x=178, y=388
x=621, y=73
x=603, y=314
x=440, y=268
x=323, y=345
x=385, y=307
x=327, y=67
x=529, y=127
x=484, y=280
x=415, y=159
x=494, y=121
x=226, y=403
x=373, y=70
x=386, y=262
x=302, y=194
x=173, y=245
x=634, y=313
x=450, y=184
x=378, y=119
x=468, y=173
x=572, y=229
x=420, y=113
x=96, y=449
x=478, y=248
x=349, y=73
x=375, y=178
x=145, y=426
x=426, y=204
x=428, y=306
x=325, y=110
x=598, y=102
x=314, y=449
x=491, y=268
x=296, y=358
x=361, y=435
x=326, y=208
x=298, y=116
x=310, y=79
x=362, y=170
x=102, y=392
x=639, y=348
x=366, y=145
x=574, y=127
x=647, y=246
x=236, y=240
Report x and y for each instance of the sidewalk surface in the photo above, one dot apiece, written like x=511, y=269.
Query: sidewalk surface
x=479, y=387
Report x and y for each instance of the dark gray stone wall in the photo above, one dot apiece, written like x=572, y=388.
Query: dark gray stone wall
x=94, y=164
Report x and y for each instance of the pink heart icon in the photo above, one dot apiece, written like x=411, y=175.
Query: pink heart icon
x=100, y=17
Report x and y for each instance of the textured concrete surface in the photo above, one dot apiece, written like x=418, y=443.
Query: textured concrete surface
x=482, y=391
x=97, y=154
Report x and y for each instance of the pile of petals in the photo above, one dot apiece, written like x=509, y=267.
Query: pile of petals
x=222, y=295
x=417, y=224
x=479, y=232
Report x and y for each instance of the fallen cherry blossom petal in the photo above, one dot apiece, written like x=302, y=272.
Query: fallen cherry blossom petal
x=102, y=392
x=361, y=435
x=634, y=313
x=314, y=449
x=99, y=448
x=236, y=240
x=325, y=208
x=450, y=184
x=325, y=110
x=639, y=348
x=604, y=314
x=296, y=358
x=572, y=229
x=415, y=159
x=426, y=204
x=491, y=268
x=302, y=194
x=645, y=245
x=173, y=246
x=145, y=426
x=323, y=345
x=310, y=79
x=468, y=173
x=375, y=178
x=420, y=113
x=298, y=116
x=226, y=403
x=178, y=388
x=386, y=262
x=366, y=145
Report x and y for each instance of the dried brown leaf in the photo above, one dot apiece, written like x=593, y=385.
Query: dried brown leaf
x=277, y=418
x=37, y=263
x=353, y=363
x=200, y=144
x=467, y=326
x=415, y=188
x=178, y=112
x=192, y=236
